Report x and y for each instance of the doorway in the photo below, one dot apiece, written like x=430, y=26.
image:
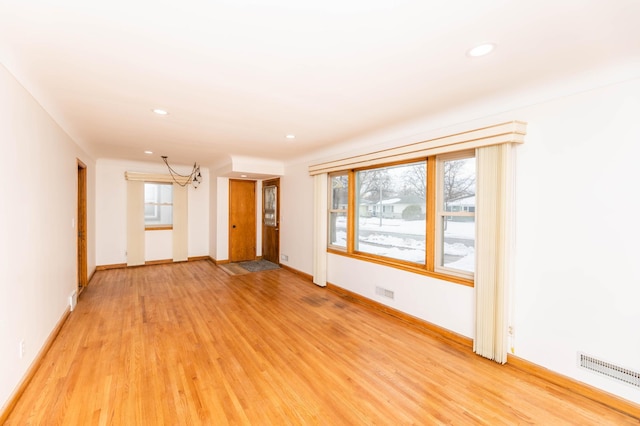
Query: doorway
x=242, y=220
x=271, y=220
x=81, y=223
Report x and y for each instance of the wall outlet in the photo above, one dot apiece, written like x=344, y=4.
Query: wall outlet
x=22, y=349
x=284, y=257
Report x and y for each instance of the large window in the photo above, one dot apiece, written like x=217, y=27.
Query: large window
x=417, y=215
x=158, y=205
x=391, y=211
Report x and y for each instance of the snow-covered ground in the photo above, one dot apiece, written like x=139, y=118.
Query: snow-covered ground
x=384, y=240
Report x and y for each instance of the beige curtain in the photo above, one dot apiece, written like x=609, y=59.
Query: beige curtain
x=494, y=249
x=135, y=217
x=320, y=229
x=135, y=223
x=180, y=223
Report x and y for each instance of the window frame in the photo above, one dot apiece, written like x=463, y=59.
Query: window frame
x=355, y=221
x=429, y=267
x=331, y=210
x=441, y=213
x=157, y=205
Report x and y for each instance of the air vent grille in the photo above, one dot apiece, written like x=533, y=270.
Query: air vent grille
x=613, y=371
x=384, y=292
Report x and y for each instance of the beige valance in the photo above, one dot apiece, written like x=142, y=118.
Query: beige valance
x=154, y=177
x=509, y=132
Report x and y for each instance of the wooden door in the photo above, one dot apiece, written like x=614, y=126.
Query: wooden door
x=271, y=220
x=81, y=223
x=242, y=220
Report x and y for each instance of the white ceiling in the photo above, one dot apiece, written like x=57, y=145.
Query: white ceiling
x=238, y=75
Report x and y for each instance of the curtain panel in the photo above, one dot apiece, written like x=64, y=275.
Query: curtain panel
x=494, y=249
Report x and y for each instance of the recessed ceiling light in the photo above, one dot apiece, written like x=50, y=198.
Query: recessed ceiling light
x=160, y=111
x=148, y=152
x=481, y=50
x=290, y=136
x=243, y=175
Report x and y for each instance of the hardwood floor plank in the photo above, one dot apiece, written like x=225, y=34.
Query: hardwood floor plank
x=187, y=343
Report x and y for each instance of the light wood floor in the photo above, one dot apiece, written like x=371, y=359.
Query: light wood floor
x=188, y=344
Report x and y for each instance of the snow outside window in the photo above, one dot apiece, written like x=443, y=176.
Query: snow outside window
x=338, y=209
x=455, y=215
x=391, y=211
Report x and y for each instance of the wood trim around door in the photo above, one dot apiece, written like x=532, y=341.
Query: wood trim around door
x=81, y=226
x=271, y=225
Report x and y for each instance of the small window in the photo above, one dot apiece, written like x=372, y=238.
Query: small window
x=338, y=209
x=455, y=215
x=158, y=205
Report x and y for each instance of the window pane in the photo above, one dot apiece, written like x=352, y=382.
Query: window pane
x=459, y=185
x=458, y=251
x=339, y=192
x=151, y=212
x=158, y=208
x=338, y=207
x=166, y=193
x=391, y=211
x=338, y=229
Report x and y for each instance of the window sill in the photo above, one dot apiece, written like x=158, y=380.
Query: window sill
x=158, y=228
x=417, y=269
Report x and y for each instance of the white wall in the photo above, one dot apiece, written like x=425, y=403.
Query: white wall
x=38, y=181
x=577, y=277
x=296, y=218
x=111, y=214
x=221, y=225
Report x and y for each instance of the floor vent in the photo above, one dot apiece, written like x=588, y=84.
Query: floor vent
x=613, y=371
x=384, y=292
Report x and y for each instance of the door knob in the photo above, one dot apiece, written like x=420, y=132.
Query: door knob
x=233, y=226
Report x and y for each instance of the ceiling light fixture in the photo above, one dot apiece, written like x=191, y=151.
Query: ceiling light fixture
x=481, y=50
x=291, y=136
x=160, y=111
x=194, y=178
x=148, y=152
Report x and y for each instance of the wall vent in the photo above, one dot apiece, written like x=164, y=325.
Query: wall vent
x=384, y=292
x=613, y=371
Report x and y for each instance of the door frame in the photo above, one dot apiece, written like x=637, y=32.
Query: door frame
x=81, y=226
x=271, y=182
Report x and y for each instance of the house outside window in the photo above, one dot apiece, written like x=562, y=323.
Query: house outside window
x=455, y=222
x=338, y=209
x=378, y=230
x=418, y=216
